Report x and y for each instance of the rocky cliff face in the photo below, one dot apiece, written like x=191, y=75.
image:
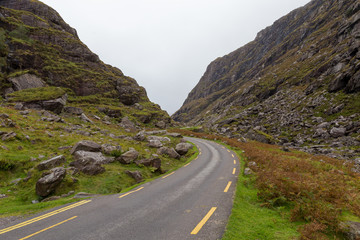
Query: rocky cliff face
x=35, y=39
x=297, y=83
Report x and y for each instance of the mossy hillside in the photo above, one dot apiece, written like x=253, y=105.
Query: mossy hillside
x=300, y=51
x=58, y=57
x=40, y=140
x=36, y=94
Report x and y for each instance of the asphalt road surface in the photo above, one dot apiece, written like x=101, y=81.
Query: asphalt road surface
x=193, y=202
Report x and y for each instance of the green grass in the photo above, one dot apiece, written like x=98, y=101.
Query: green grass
x=36, y=94
x=15, y=160
x=250, y=221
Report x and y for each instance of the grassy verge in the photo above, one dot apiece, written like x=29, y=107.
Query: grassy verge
x=249, y=220
x=315, y=191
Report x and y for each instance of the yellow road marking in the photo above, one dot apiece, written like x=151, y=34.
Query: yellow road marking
x=234, y=161
x=203, y=221
x=228, y=186
x=187, y=164
x=5, y=230
x=48, y=228
x=234, y=170
x=168, y=175
x=232, y=155
x=131, y=192
x=223, y=147
x=228, y=150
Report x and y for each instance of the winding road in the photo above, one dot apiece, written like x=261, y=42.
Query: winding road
x=194, y=202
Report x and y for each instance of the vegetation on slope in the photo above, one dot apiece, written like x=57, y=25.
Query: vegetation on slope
x=318, y=191
x=38, y=139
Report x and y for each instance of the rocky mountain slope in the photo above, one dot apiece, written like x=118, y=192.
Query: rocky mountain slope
x=68, y=122
x=37, y=49
x=296, y=84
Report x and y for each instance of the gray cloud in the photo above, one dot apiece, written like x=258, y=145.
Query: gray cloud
x=166, y=45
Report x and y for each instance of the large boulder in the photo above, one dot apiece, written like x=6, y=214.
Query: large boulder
x=338, y=132
x=168, y=151
x=128, y=157
x=127, y=124
x=155, y=144
x=154, y=161
x=55, y=105
x=161, y=139
x=85, y=145
x=177, y=135
x=135, y=175
x=73, y=110
x=97, y=157
x=51, y=163
x=87, y=164
x=140, y=136
x=47, y=184
x=351, y=230
x=183, y=148
x=109, y=149
x=26, y=81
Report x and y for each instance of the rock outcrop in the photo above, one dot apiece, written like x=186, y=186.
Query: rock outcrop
x=300, y=72
x=47, y=184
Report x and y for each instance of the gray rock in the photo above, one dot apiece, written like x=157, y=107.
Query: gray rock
x=128, y=157
x=108, y=148
x=73, y=110
x=25, y=112
x=154, y=161
x=84, y=118
x=323, y=125
x=26, y=81
x=127, y=124
x=183, y=148
x=96, y=157
x=140, y=136
x=84, y=195
x=55, y=105
x=247, y=171
x=3, y=196
x=135, y=175
x=67, y=194
x=168, y=151
x=51, y=163
x=47, y=184
x=85, y=145
x=155, y=144
x=16, y=181
x=88, y=165
x=161, y=139
x=351, y=230
x=176, y=135
x=338, y=132
x=19, y=106
x=35, y=201
x=160, y=124
x=9, y=136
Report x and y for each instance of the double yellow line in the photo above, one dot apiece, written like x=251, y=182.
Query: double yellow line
x=131, y=192
x=23, y=224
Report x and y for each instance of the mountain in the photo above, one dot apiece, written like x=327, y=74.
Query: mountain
x=297, y=84
x=36, y=43
x=65, y=116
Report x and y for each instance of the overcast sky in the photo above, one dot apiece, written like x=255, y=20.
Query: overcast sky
x=166, y=45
